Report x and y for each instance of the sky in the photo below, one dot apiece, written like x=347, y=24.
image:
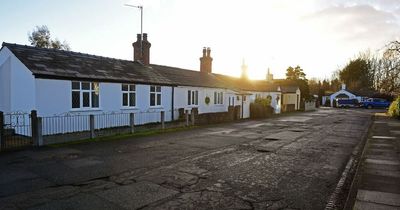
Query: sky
x=319, y=35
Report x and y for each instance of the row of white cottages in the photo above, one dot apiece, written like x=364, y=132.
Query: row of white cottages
x=57, y=82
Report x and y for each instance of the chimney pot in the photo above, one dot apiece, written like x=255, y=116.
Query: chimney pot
x=144, y=36
x=208, y=52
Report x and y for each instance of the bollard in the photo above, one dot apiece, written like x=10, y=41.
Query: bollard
x=163, y=120
x=91, y=125
x=192, y=113
x=132, y=122
x=187, y=117
x=39, y=137
x=34, y=127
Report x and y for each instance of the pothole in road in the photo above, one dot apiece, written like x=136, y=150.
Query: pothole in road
x=263, y=150
x=297, y=131
x=271, y=139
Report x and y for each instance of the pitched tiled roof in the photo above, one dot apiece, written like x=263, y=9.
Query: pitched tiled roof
x=60, y=64
x=184, y=77
x=248, y=85
x=287, y=86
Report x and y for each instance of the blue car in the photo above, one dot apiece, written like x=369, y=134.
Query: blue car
x=346, y=103
x=376, y=103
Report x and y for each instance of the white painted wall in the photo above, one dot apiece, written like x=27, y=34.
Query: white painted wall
x=333, y=96
x=5, y=86
x=180, y=99
x=276, y=104
x=54, y=98
x=22, y=86
x=342, y=91
x=309, y=106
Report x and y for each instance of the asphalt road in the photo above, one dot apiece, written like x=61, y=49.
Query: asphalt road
x=287, y=162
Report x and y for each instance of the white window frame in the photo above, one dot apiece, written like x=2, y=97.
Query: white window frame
x=94, y=88
x=157, y=95
x=129, y=92
x=218, y=98
x=231, y=100
x=192, y=97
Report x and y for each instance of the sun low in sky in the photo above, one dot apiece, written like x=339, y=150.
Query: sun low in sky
x=318, y=35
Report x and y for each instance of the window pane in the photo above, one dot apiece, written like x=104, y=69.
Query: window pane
x=76, y=102
x=222, y=98
x=215, y=97
x=76, y=85
x=197, y=98
x=152, y=89
x=158, y=89
x=95, y=86
x=132, y=99
x=193, y=97
x=124, y=88
x=95, y=99
x=125, y=99
x=188, y=97
x=152, y=99
x=131, y=87
x=85, y=99
x=158, y=99
x=85, y=85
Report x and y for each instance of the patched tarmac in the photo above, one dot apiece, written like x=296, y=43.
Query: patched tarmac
x=286, y=162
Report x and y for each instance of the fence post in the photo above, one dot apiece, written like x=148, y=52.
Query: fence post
x=34, y=127
x=91, y=125
x=1, y=130
x=132, y=122
x=187, y=117
x=39, y=136
x=163, y=120
x=192, y=113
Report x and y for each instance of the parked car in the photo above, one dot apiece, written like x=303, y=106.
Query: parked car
x=346, y=103
x=376, y=103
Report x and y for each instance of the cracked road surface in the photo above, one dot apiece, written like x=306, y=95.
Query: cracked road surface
x=287, y=162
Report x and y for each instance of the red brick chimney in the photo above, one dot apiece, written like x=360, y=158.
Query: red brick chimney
x=206, y=61
x=141, y=49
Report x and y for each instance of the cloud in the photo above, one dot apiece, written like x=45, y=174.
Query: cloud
x=362, y=24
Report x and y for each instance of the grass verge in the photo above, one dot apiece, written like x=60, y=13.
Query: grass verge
x=124, y=136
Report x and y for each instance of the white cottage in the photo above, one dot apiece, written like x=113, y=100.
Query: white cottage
x=57, y=82
x=343, y=93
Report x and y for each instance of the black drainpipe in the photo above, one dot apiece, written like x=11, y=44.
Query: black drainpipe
x=172, y=104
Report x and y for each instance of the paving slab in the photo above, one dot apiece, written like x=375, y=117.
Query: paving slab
x=361, y=205
x=383, y=137
x=383, y=162
x=390, y=199
x=381, y=172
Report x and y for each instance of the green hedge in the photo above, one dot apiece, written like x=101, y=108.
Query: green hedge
x=394, y=108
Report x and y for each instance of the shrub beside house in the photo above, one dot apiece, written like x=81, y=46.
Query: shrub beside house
x=394, y=109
